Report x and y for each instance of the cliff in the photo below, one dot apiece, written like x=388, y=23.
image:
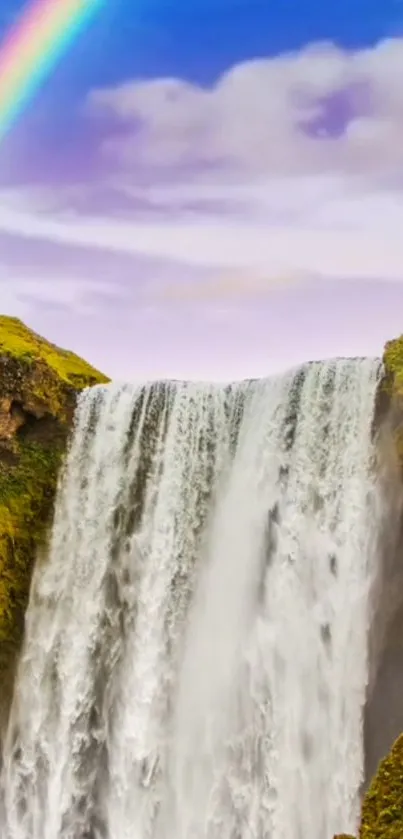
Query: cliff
x=39, y=384
x=382, y=809
x=390, y=392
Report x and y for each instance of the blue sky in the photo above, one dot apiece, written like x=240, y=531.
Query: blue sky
x=214, y=185
x=200, y=40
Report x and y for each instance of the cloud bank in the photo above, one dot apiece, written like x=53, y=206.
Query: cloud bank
x=212, y=205
x=320, y=110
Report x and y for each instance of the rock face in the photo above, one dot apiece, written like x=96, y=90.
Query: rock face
x=39, y=384
x=382, y=810
x=390, y=393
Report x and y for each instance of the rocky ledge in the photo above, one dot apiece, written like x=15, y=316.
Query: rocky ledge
x=39, y=384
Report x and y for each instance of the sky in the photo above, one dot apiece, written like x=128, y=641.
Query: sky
x=211, y=189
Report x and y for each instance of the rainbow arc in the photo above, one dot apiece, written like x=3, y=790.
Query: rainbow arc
x=32, y=49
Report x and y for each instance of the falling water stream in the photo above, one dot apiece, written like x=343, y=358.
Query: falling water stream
x=195, y=659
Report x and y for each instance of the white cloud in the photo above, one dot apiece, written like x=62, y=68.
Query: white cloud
x=347, y=239
x=278, y=204
x=250, y=121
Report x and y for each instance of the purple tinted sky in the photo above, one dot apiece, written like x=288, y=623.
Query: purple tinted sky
x=171, y=220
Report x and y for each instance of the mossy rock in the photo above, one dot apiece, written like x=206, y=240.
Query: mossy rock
x=39, y=384
x=389, y=401
x=393, y=363
x=382, y=810
x=391, y=385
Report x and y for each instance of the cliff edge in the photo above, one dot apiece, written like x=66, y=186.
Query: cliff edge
x=39, y=383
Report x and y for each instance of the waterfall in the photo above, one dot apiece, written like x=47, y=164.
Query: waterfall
x=195, y=658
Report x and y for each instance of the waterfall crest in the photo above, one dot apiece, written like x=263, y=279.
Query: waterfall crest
x=195, y=657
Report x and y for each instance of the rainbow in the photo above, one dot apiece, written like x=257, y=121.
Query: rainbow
x=33, y=47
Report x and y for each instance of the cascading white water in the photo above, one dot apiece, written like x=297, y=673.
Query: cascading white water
x=195, y=660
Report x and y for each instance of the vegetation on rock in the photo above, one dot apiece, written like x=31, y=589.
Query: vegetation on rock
x=393, y=363
x=39, y=384
x=390, y=394
x=382, y=811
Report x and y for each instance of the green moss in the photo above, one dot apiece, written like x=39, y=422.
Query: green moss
x=43, y=382
x=393, y=360
x=389, y=402
x=48, y=372
x=382, y=811
x=19, y=341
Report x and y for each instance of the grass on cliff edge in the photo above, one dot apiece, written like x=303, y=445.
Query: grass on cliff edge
x=20, y=342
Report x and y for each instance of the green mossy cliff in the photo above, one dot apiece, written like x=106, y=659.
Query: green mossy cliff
x=393, y=362
x=382, y=811
x=390, y=393
x=39, y=384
